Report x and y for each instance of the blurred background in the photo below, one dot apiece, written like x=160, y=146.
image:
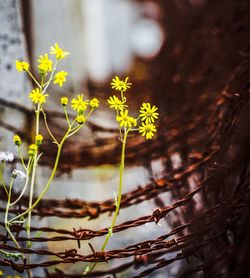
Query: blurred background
x=180, y=55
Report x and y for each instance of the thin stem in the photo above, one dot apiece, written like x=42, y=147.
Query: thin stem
x=46, y=188
x=77, y=128
x=120, y=131
x=47, y=127
x=1, y=178
x=32, y=183
x=21, y=157
x=34, y=79
x=50, y=78
x=6, y=223
x=66, y=115
x=119, y=197
x=26, y=184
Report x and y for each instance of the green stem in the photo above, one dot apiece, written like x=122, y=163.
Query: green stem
x=66, y=115
x=1, y=178
x=50, y=79
x=78, y=127
x=6, y=223
x=21, y=157
x=46, y=188
x=33, y=176
x=118, y=203
x=25, y=186
x=31, y=75
x=47, y=127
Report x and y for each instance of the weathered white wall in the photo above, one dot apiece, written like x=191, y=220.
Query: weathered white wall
x=96, y=32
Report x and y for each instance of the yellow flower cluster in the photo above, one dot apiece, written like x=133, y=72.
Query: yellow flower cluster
x=125, y=120
x=80, y=106
x=148, y=113
x=119, y=104
x=45, y=65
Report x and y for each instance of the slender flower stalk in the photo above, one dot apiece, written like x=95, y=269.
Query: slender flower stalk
x=46, y=188
x=1, y=177
x=26, y=183
x=6, y=223
x=126, y=124
x=48, y=72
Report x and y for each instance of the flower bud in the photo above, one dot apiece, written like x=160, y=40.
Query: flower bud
x=32, y=149
x=94, y=103
x=64, y=101
x=17, y=140
x=39, y=139
x=81, y=119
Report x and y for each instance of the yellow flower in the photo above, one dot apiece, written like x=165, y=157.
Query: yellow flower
x=64, y=101
x=120, y=85
x=60, y=54
x=17, y=140
x=45, y=63
x=116, y=103
x=125, y=120
x=79, y=104
x=22, y=66
x=32, y=149
x=147, y=130
x=39, y=139
x=60, y=78
x=37, y=97
x=148, y=113
x=80, y=119
x=94, y=103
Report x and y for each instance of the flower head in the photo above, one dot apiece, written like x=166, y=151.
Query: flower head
x=120, y=85
x=60, y=78
x=18, y=174
x=60, y=54
x=17, y=140
x=147, y=130
x=80, y=119
x=37, y=96
x=45, y=64
x=116, y=103
x=32, y=149
x=6, y=156
x=94, y=103
x=79, y=104
x=39, y=139
x=22, y=66
x=148, y=113
x=64, y=101
x=125, y=120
